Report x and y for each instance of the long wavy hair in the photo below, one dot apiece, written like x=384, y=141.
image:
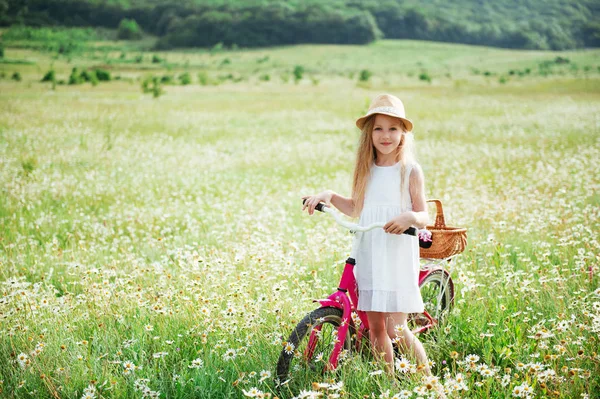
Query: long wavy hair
x=366, y=156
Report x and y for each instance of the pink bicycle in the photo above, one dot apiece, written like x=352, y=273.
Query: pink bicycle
x=326, y=335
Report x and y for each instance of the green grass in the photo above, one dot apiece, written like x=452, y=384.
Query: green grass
x=132, y=226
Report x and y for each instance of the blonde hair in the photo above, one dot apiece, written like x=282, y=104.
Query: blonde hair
x=366, y=156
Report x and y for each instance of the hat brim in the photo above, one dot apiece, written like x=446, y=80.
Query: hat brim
x=360, y=122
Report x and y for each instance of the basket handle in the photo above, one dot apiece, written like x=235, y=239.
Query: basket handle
x=439, y=214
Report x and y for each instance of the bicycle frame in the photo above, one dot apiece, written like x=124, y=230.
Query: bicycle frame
x=346, y=296
x=346, y=299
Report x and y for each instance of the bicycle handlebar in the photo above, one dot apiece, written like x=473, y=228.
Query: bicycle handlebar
x=353, y=227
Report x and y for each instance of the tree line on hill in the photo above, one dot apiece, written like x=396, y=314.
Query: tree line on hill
x=529, y=24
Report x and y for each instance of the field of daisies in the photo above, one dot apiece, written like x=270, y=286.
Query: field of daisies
x=156, y=248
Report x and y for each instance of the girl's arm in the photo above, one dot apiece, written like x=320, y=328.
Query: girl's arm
x=417, y=194
x=418, y=217
x=343, y=204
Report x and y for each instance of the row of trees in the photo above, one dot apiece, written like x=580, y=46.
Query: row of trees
x=567, y=24
x=270, y=26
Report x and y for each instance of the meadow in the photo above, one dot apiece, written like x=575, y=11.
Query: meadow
x=153, y=245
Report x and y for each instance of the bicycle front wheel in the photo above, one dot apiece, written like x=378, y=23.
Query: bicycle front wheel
x=310, y=345
x=437, y=291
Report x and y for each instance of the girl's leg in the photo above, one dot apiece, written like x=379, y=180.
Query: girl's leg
x=382, y=344
x=408, y=343
x=397, y=328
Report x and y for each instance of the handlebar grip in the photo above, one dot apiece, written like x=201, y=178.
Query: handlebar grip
x=319, y=206
x=411, y=231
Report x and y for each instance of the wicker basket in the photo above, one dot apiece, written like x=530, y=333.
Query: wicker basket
x=446, y=241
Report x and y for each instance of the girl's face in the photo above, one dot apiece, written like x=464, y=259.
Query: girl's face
x=387, y=135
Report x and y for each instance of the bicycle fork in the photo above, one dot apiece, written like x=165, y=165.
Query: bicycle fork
x=340, y=300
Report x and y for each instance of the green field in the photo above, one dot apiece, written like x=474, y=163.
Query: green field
x=160, y=231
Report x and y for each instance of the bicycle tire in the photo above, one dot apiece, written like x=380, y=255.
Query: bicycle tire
x=435, y=304
x=299, y=339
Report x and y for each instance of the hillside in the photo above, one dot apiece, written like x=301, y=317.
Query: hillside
x=530, y=24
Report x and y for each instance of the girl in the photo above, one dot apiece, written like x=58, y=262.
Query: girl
x=388, y=187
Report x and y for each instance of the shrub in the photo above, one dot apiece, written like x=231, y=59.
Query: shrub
x=146, y=84
x=217, y=48
x=574, y=68
x=265, y=78
x=545, y=68
x=156, y=59
x=425, y=77
x=524, y=72
x=263, y=59
x=85, y=76
x=102, y=75
x=167, y=79
x=129, y=30
x=16, y=77
x=185, y=78
x=50, y=76
x=203, y=78
x=138, y=59
x=29, y=164
x=365, y=75
x=298, y=72
x=1, y=50
x=152, y=85
x=156, y=90
x=502, y=80
x=68, y=47
x=75, y=77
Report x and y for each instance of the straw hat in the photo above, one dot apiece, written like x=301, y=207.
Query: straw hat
x=386, y=104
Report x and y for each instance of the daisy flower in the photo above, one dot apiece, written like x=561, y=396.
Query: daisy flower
x=402, y=365
x=229, y=354
x=289, y=348
x=265, y=374
x=472, y=358
x=252, y=392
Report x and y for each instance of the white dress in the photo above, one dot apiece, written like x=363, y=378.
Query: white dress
x=387, y=265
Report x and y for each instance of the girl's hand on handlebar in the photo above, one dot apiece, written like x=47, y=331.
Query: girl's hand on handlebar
x=311, y=201
x=400, y=223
